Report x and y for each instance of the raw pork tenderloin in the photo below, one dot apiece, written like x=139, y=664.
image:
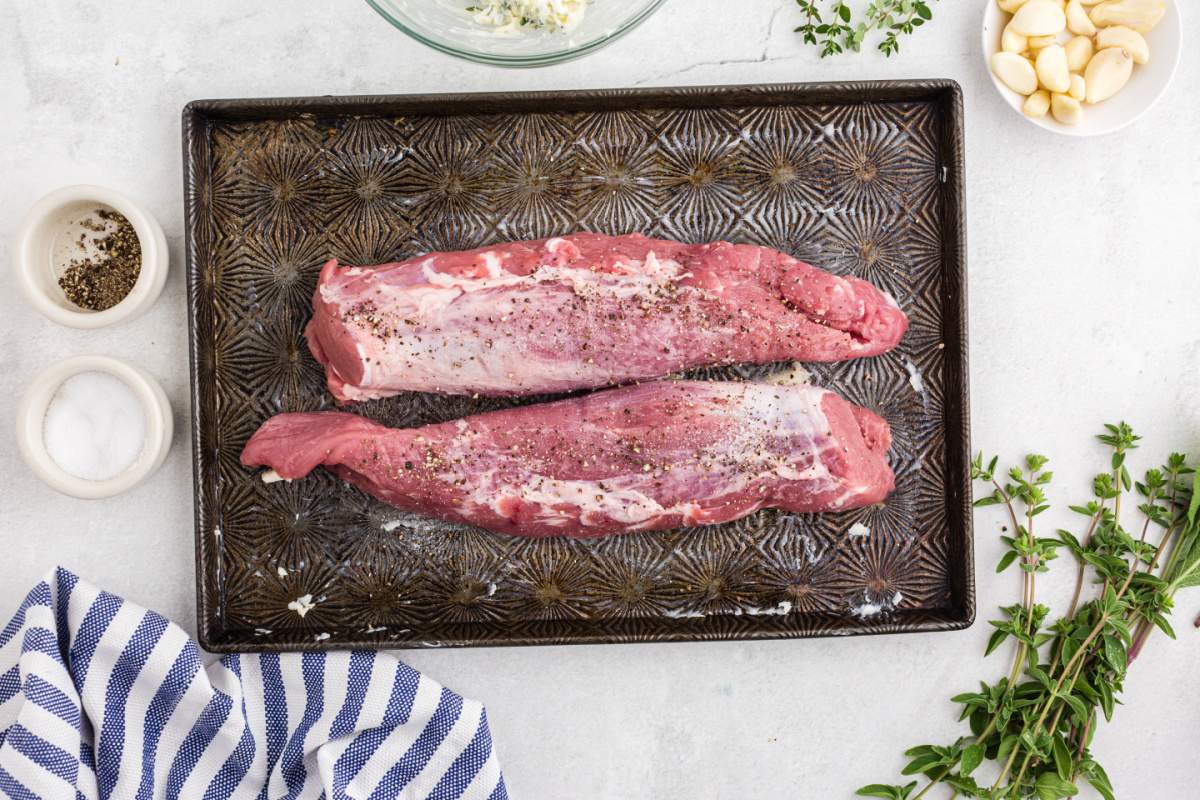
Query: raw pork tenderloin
x=583, y=311
x=648, y=457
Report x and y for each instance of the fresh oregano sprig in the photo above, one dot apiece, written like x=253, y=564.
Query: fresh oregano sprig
x=1033, y=727
x=833, y=27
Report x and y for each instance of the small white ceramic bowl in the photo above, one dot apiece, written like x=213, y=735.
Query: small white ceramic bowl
x=1147, y=85
x=48, y=239
x=31, y=414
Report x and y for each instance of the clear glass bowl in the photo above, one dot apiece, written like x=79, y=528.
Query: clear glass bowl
x=444, y=25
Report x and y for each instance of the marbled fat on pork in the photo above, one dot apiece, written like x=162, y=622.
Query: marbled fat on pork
x=648, y=457
x=583, y=311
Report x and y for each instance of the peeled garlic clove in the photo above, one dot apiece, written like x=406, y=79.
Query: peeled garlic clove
x=1078, y=21
x=1066, y=109
x=1010, y=6
x=1016, y=72
x=1039, y=18
x=1107, y=73
x=1079, y=53
x=1141, y=15
x=1127, y=39
x=1037, y=104
x=1052, y=69
x=1078, y=88
x=1036, y=43
x=1011, y=42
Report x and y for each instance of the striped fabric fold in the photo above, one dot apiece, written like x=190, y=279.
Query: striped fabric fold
x=100, y=698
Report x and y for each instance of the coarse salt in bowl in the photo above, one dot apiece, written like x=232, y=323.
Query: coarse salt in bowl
x=93, y=426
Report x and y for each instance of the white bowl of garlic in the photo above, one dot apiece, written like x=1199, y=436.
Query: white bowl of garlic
x=1082, y=67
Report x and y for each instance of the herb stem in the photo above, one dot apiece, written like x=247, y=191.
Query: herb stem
x=1083, y=735
x=1162, y=548
x=841, y=30
x=1072, y=669
x=1144, y=627
x=1027, y=587
x=1007, y=767
x=1133, y=567
x=934, y=781
x=1008, y=503
x=1082, y=570
x=1054, y=725
x=1026, y=582
x=1117, y=500
x=1019, y=656
x=1032, y=568
x=1037, y=733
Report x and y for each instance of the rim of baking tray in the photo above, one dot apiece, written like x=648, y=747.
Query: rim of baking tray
x=536, y=60
x=220, y=634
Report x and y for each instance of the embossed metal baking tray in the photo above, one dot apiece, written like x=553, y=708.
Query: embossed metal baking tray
x=862, y=178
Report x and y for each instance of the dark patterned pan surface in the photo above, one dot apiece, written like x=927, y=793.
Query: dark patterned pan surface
x=863, y=179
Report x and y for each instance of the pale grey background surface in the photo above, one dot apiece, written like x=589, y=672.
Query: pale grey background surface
x=1084, y=279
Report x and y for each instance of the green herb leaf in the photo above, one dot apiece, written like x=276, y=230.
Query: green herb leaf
x=887, y=792
x=1189, y=581
x=842, y=31
x=1162, y=624
x=1062, y=758
x=1107, y=701
x=920, y=764
x=1098, y=778
x=1049, y=786
x=995, y=641
x=972, y=757
x=1114, y=653
x=1077, y=707
x=1038, y=729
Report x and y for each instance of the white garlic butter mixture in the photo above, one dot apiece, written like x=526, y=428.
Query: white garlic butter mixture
x=510, y=15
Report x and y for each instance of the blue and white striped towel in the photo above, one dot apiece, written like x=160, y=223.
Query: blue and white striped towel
x=100, y=698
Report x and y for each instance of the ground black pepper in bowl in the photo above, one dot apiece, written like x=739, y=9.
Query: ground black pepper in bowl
x=100, y=282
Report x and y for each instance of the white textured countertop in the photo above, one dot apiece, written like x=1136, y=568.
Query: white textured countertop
x=1084, y=280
